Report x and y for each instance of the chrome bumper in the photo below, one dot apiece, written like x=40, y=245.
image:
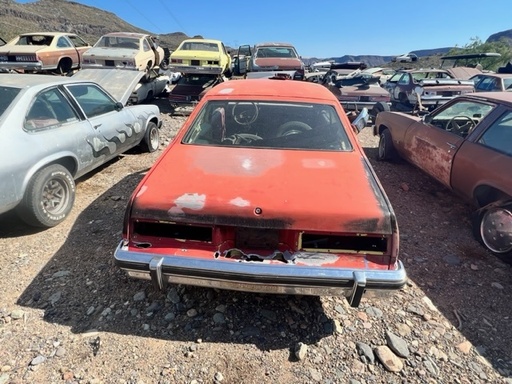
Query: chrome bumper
x=196, y=69
x=26, y=65
x=258, y=276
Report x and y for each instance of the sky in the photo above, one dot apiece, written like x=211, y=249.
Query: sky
x=329, y=28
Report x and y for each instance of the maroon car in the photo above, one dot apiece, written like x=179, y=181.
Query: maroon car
x=467, y=146
x=267, y=59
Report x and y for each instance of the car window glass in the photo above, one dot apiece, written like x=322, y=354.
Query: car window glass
x=507, y=83
x=487, y=84
x=63, y=43
x=145, y=46
x=404, y=79
x=273, y=125
x=7, y=95
x=499, y=135
x=77, y=41
x=92, y=99
x=464, y=112
x=49, y=108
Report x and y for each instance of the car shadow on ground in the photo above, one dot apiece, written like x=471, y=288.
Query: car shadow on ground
x=82, y=288
x=467, y=284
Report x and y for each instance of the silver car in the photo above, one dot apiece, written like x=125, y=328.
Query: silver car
x=56, y=129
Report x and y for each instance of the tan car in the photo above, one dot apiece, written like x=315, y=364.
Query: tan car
x=125, y=50
x=43, y=51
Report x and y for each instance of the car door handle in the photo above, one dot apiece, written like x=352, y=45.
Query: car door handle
x=96, y=126
x=452, y=146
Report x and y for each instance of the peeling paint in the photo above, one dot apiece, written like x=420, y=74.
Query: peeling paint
x=318, y=163
x=239, y=202
x=247, y=164
x=226, y=91
x=192, y=201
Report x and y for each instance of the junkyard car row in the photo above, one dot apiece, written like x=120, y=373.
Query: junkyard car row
x=269, y=231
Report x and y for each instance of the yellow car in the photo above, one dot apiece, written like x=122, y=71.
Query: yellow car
x=201, y=56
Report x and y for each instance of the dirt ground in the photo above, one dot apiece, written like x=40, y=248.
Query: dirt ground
x=68, y=315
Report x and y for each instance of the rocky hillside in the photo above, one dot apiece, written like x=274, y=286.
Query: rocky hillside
x=91, y=23
x=60, y=15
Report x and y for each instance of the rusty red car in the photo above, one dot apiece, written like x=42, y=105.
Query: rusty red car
x=466, y=145
x=264, y=189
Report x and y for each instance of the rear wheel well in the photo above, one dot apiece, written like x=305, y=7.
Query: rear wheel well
x=65, y=65
x=485, y=194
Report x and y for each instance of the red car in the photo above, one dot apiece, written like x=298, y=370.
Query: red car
x=264, y=189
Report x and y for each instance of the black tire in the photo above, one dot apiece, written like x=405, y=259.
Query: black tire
x=64, y=67
x=164, y=66
x=49, y=197
x=379, y=107
x=490, y=224
x=386, y=150
x=151, y=140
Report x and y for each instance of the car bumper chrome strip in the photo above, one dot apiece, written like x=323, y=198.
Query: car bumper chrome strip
x=258, y=276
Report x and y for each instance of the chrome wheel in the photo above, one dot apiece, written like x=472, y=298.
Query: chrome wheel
x=55, y=196
x=496, y=230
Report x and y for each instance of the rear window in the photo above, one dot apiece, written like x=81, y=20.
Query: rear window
x=7, y=95
x=273, y=125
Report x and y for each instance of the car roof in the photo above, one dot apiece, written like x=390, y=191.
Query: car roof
x=273, y=45
x=500, y=75
x=497, y=97
x=127, y=34
x=29, y=80
x=272, y=89
x=422, y=70
x=203, y=40
x=48, y=33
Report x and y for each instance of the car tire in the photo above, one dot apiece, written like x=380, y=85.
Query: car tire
x=377, y=108
x=492, y=227
x=386, y=150
x=49, y=197
x=151, y=141
x=64, y=67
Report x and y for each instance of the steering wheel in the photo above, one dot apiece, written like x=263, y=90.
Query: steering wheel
x=292, y=128
x=241, y=138
x=245, y=113
x=458, y=128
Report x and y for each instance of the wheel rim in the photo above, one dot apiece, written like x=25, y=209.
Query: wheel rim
x=153, y=138
x=382, y=145
x=496, y=230
x=55, y=196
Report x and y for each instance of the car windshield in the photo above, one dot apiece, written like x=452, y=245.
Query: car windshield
x=268, y=124
x=117, y=42
x=35, y=40
x=7, y=95
x=200, y=46
x=284, y=52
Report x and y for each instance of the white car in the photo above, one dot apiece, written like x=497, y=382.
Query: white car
x=55, y=129
x=405, y=58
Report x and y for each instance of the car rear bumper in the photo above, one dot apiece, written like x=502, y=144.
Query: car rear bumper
x=196, y=69
x=258, y=276
x=29, y=66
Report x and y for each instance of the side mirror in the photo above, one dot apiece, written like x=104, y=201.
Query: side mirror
x=119, y=106
x=427, y=119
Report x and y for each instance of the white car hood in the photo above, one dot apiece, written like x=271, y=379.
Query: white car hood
x=119, y=83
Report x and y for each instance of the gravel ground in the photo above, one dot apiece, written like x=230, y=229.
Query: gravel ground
x=68, y=315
